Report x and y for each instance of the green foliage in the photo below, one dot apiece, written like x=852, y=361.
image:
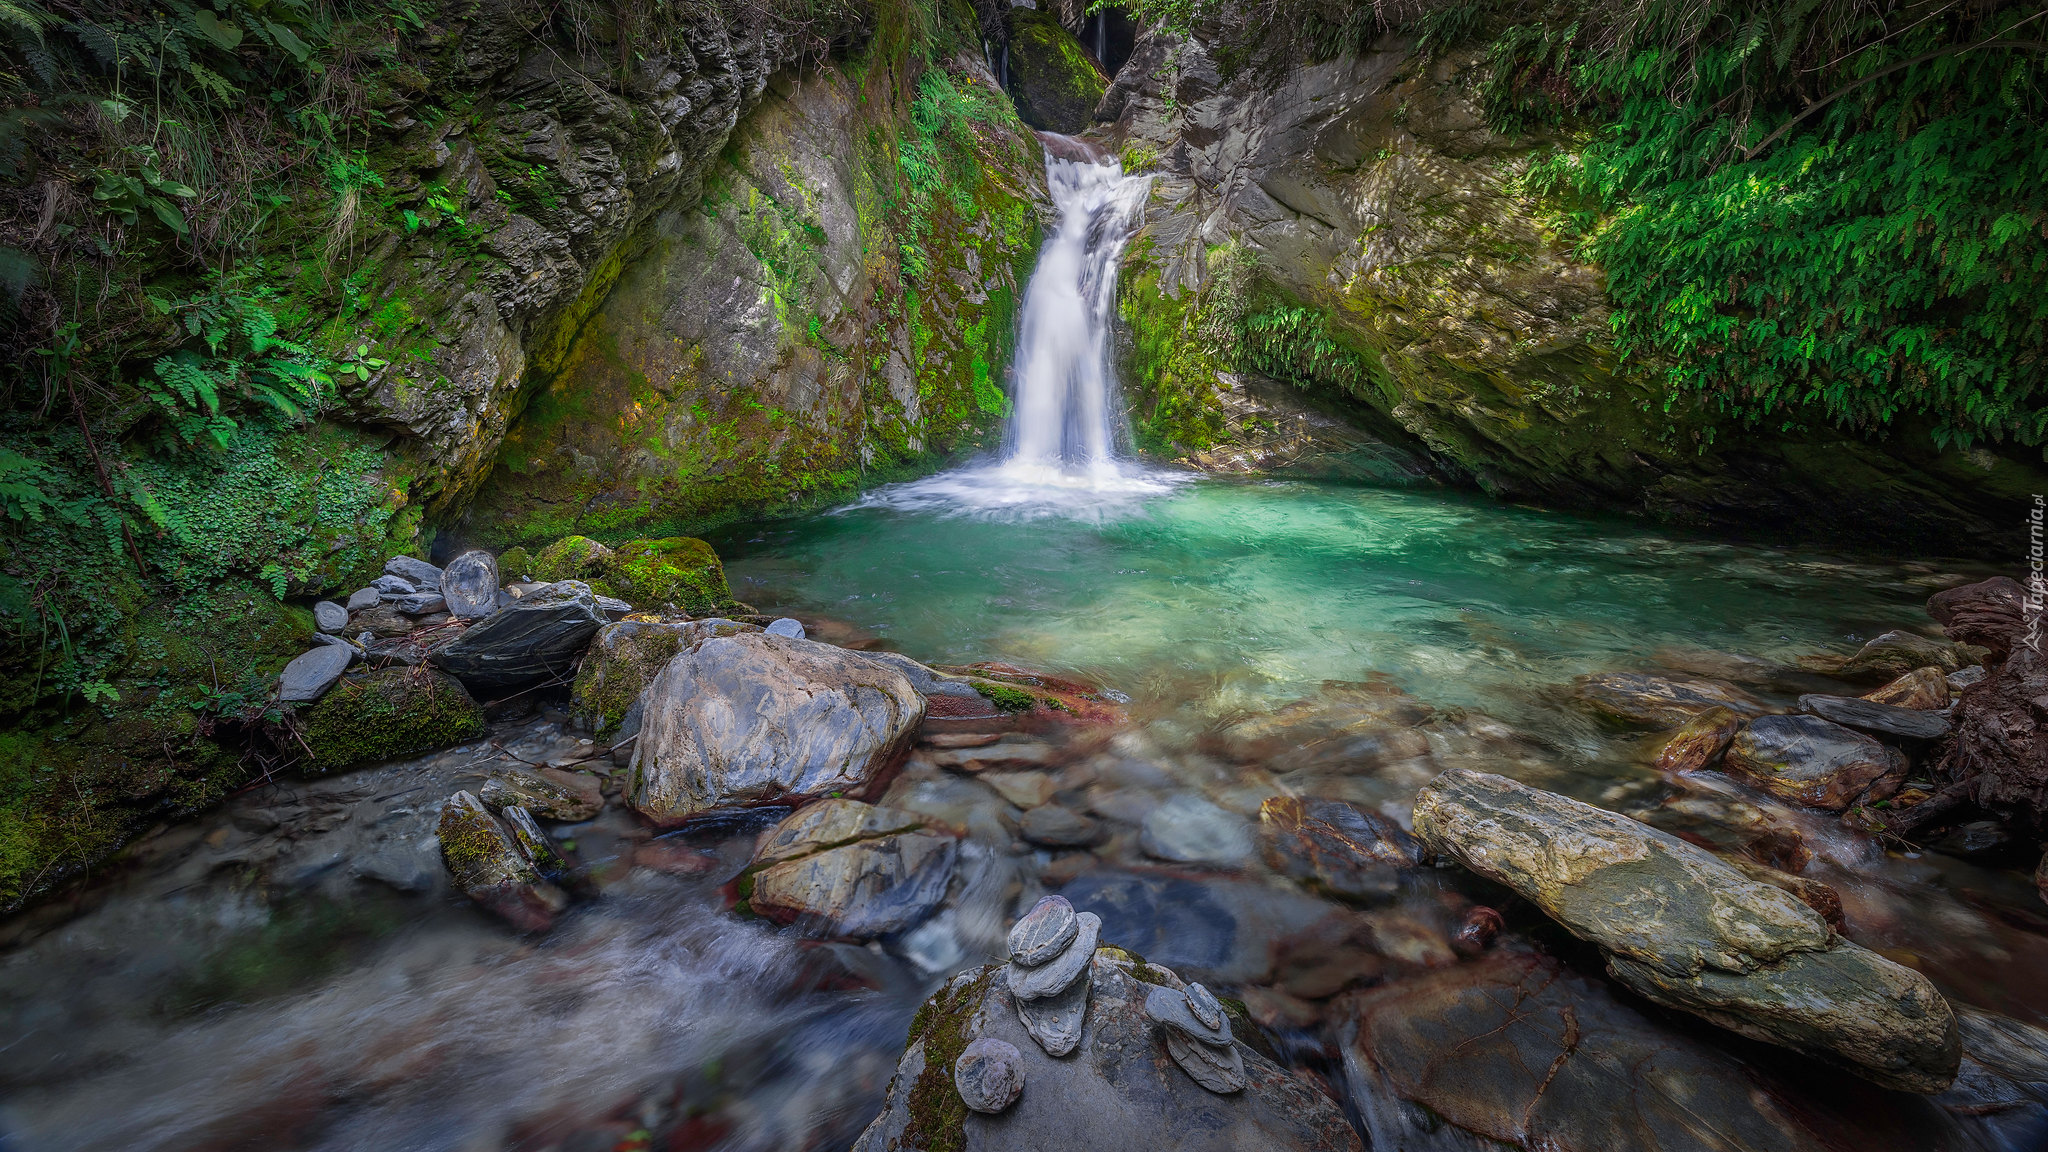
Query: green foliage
x=1004, y=697
x=1293, y=343
x=953, y=124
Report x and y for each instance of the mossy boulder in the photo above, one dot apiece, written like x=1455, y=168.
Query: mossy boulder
x=625, y=656
x=1054, y=81
x=570, y=558
x=678, y=571
x=390, y=713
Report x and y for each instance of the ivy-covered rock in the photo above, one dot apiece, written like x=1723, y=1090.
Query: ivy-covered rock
x=1054, y=81
x=390, y=713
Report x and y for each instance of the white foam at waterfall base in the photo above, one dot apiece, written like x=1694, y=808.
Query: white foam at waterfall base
x=1063, y=451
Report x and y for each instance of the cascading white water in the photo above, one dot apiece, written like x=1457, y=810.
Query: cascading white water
x=1064, y=426
x=1060, y=453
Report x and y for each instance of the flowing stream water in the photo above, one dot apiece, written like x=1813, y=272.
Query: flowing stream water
x=290, y=972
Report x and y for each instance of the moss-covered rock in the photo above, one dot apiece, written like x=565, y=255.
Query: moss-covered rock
x=390, y=713
x=679, y=572
x=625, y=656
x=571, y=558
x=1054, y=81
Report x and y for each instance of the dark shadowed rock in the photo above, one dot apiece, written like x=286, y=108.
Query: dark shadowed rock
x=1052, y=78
x=310, y=675
x=1654, y=701
x=540, y=636
x=1922, y=688
x=2000, y=752
x=470, y=584
x=749, y=719
x=1876, y=719
x=421, y=604
x=1700, y=741
x=1118, y=1092
x=1815, y=762
x=1989, y=614
x=1336, y=847
x=858, y=891
x=418, y=573
x=1686, y=930
x=548, y=793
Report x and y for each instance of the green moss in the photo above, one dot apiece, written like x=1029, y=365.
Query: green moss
x=679, y=571
x=477, y=850
x=620, y=663
x=1005, y=697
x=387, y=714
x=571, y=558
x=1053, y=79
x=938, y=1117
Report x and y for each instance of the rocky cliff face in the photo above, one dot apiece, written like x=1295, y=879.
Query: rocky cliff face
x=1391, y=229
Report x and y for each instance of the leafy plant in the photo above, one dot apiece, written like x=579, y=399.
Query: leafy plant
x=126, y=193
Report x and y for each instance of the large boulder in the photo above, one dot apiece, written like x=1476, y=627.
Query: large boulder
x=1054, y=81
x=847, y=869
x=678, y=572
x=538, y=636
x=625, y=657
x=1654, y=701
x=470, y=584
x=390, y=713
x=752, y=719
x=1120, y=1090
x=1815, y=762
x=1688, y=931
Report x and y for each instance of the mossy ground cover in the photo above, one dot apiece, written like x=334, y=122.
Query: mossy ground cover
x=387, y=714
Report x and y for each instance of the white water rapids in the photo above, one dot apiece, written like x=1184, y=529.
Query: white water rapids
x=1061, y=452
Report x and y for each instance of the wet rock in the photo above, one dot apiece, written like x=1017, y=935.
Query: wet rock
x=1999, y=757
x=1988, y=614
x=1190, y=830
x=1219, y=928
x=533, y=843
x=1653, y=701
x=1957, y=681
x=538, y=638
x=1476, y=931
x=931, y=682
x=1200, y=1046
x=1923, y=688
x=329, y=616
x=1119, y=1091
x=882, y=882
x=1686, y=930
x=1347, y=728
x=1054, y=1022
x=1044, y=932
x=1876, y=719
x=1699, y=741
x=421, y=604
x=311, y=674
x=470, y=584
x=2005, y=1067
x=549, y=793
x=1520, y=1050
x=989, y=1073
x=785, y=626
x=1024, y=789
x=1893, y=654
x=1335, y=847
x=1058, y=826
x=487, y=863
x=625, y=657
x=1977, y=838
x=750, y=719
x=418, y=573
x=362, y=598
x=1054, y=81
x=390, y=713
x=1006, y=754
x=1058, y=974
x=1822, y=898
x=1815, y=762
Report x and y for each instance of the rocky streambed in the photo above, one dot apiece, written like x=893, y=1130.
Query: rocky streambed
x=609, y=859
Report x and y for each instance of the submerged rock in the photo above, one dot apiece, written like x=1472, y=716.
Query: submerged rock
x=1894, y=654
x=1692, y=933
x=389, y=713
x=1876, y=719
x=1923, y=688
x=989, y=1074
x=750, y=719
x=1119, y=1091
x=549, y=793
x=1654, y=701
x=1700, y=741
x=882, y=881
x=489, y=865
x=1335, y=847
x=1058, y=826
x=1815, y=762
x=470, y=584
x=1190, y=830
x=539, y=636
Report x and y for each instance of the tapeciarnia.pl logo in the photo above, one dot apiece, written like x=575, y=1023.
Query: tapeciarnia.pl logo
x=2037, y=578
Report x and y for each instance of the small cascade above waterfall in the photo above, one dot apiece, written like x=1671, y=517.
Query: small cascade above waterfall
x=1065, y=450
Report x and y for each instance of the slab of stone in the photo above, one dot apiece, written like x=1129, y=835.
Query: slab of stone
x=362, y=598
x=858, y=891
x=1335, y=847
x=470, y=584
x=421, y=603
x=1059, y=973
x=311, y=674
x=1923, y=688
x=1877, y=719
x=418, y=573
x=1813, y=761
x=1044, y=932
x=1654, y=701
x=815, y=827
x=1055, y=1021
x=1169, y=1006
x=547, y=793
x=532, y=841
x=1686, y=930
x=1699, y=741
x=1217, y=1067
x=389, y=586
x=541, y=636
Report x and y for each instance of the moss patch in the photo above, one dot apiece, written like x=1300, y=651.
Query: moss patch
x=390, y=713
x=1053, y=79
x=938, y=1117
x=680, y=570
x=1005, y=697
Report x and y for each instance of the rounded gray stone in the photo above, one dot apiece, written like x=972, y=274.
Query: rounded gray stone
x=363, y=598
x=470, y=584
x=785, y=627
x=989, y=1074
x=310, y=675
x=1047, y=928
x=1169, y=1006
x=1059, y=973
x=1202, y=1003
x=418, y=573
x=329, y=616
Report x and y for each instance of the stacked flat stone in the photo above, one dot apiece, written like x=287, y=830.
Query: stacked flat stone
x=1050, y=952
x=1198, y=1036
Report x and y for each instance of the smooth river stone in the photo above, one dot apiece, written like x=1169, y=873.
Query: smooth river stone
x=1216, y=1067
x=1059, y=973
x=785, y=626
x=309, y=676
x=363, y=598
x=329, y=616
x=1202, y=1003
x=1877, y=719
x=989, y=1074
x=1055, y=1022
x=1813, y=761
x=1047, y=928
x=1170, y=1007
x=470, y=584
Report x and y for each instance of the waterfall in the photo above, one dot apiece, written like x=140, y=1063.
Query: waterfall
x=1061, y=449
x=1065, y=424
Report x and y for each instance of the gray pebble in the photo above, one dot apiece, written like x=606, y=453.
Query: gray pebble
x=793, y=629
x=1047, y=928
x=363, y=598
x=989, y=1074
x=329, y=616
